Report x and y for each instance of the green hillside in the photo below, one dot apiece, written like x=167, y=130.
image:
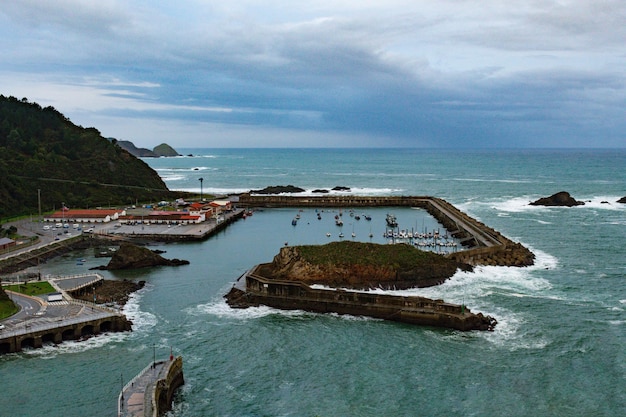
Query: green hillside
x=42, y=153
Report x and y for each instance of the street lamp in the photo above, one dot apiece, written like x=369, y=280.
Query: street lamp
x=200, y=179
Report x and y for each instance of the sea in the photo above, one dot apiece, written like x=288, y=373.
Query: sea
x=559, y=348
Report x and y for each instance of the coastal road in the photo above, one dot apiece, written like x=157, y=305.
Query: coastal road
x=29, y=308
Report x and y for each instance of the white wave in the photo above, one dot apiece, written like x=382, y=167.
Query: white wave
x=522, y=204
x=353, y=191
x=505, y=181
x=603, y=202
x=173, y=177
x=223, y=310
x=516, y=205
x=51, y=351
x=142, y=320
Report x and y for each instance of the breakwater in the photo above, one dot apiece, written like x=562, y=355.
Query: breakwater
x=150, y=393
x=481, y=244
x=252, y=289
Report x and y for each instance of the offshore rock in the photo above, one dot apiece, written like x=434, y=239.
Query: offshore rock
x=622, y=200
x=561, y=198
x=278, y=189
x=164, y=150
x=130, y=256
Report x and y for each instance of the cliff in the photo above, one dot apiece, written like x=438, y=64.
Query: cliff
x=361, y=265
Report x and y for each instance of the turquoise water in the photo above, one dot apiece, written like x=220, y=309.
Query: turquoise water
x=558, y=348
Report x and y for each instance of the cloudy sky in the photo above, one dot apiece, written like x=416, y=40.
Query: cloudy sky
x=336, y=73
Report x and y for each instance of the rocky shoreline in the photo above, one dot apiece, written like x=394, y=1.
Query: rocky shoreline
x=112, y=292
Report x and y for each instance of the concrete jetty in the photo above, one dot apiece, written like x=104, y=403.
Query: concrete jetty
x=149, y=393
x=252, y=289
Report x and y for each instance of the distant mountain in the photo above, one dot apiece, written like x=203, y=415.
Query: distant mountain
x=161, y=150
x=133, y=150
x=46, y=160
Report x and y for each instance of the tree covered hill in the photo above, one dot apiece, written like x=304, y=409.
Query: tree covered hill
x=46, y=159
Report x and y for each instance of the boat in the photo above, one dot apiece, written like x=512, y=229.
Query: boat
x=294, y=222
x=391, y=220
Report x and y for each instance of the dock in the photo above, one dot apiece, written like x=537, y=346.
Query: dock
x=150, y=393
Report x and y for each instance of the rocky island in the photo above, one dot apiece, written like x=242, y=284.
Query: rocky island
x=360, y=265
x=130, y=256
x=340, y=266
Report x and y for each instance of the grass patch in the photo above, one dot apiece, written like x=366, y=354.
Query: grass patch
x=32, y=288
x=403, y=257
x=7, y=309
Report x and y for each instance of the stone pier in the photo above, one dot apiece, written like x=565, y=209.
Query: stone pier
x=150, y=393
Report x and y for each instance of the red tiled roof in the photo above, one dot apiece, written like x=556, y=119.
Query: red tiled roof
x=92, y=214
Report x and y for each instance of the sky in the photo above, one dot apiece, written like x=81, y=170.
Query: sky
x=328, y=73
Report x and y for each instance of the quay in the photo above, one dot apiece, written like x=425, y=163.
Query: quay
x=163, y=232
x=150, y=393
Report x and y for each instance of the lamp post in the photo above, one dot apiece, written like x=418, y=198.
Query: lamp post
x=200, y=179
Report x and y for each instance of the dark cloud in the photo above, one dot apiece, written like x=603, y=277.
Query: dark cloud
x=443, y=73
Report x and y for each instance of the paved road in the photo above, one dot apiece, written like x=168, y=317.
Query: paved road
x=29, y=308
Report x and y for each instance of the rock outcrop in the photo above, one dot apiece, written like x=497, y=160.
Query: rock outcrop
x=278, y=189
x=164, y=150
x=161, y=150
x=622, y=200
x=562, y=198
x=130, y=256
x=427, y=270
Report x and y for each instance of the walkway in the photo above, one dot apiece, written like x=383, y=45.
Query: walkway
x=132, y=401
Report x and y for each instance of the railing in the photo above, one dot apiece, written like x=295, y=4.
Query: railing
x=26, y=328
x=120, y=398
